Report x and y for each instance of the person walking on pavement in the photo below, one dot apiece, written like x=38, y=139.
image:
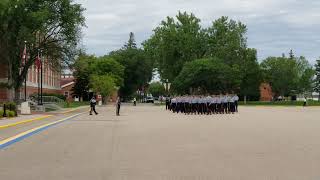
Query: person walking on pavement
x=118, y=104
x=93, y=104
x=134, y=102
x=304, y=101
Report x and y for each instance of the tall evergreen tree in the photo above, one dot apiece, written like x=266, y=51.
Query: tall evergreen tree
x=291, y=55
x=131, y=44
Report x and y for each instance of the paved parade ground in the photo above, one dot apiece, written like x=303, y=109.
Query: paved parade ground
x=149, y=143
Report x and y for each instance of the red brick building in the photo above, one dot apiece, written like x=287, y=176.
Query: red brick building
x=67, y=83
x=51, y=81
x=266, y=93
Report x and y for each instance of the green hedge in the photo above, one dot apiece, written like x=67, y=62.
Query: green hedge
x=10, y=106
x=9, y=114
x=279, y=103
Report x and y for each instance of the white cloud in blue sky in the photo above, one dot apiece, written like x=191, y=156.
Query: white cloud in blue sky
x=274, y=26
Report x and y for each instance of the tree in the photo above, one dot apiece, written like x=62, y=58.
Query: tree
x=105, y=84
x=210, y=75
x=251, y=76
x=175, y=42
x=179, y=41
x=288, y=76
x=156, y=89
x=281, y=74
x=305, y=75
x=53, y=26
x=88, y=68
x=131, y=44
x=317, y=79
x=227, y=40
x=82, y=72
x=137, y=67
x=291, y=55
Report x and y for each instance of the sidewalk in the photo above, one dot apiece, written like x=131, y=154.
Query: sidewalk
x=21, y=119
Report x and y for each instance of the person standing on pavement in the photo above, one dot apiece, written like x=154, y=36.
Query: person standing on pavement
x=118, y=104
x=93, y=104
x=167, y=103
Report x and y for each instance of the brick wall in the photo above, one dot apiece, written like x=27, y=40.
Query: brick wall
x=266, y=93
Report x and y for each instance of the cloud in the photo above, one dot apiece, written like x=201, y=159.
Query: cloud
x=274, y=27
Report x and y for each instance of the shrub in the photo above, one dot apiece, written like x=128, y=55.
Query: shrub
x=10, y=114
x=11, y=106
x=1, y=114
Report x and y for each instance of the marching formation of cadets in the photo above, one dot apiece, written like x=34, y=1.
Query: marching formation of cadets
x=216, y=104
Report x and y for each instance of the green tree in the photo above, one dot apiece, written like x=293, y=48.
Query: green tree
x=108, y=66
x=288, y=76
x=50, y=25
x=131, y=42
x=305, y=75
x=156, y=89
x=251, y=76
x=82, y=72
x=281, y=73
x=137, y=67
x=210, y=75
x=104, y=84
x=174, y=42
x=317, y=79
x=88, y=68
x=227, y=40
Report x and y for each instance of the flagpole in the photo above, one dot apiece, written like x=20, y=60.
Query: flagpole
x=25, y=79
x=41, y=75
x=38, y=78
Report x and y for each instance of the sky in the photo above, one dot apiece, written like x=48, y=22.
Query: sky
x=274, y=26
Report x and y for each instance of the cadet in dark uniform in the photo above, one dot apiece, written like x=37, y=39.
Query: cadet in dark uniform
x=93, y=104
x=118, y=104
x=167, y=103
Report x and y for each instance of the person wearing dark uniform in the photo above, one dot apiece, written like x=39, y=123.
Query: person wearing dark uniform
x=167, y=103
x=173, y=104
x=232, y=104
x=93, y=104
x=236, y=99
x=118, y=104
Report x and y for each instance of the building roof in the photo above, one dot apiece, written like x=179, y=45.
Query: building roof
x=66, y=82
x=69, y=84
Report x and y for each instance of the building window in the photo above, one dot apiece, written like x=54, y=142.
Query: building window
x=66, y=94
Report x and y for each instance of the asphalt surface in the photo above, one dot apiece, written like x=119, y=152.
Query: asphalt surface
x=149, y=143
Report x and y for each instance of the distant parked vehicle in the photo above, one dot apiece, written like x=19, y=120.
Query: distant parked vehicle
x=150, y=100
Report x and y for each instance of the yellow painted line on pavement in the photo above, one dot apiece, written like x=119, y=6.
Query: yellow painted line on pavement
x=6, y=142
x=25, y=121
x=65, y=112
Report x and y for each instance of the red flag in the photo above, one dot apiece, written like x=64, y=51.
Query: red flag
x=38, y=62
x=24, y=55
